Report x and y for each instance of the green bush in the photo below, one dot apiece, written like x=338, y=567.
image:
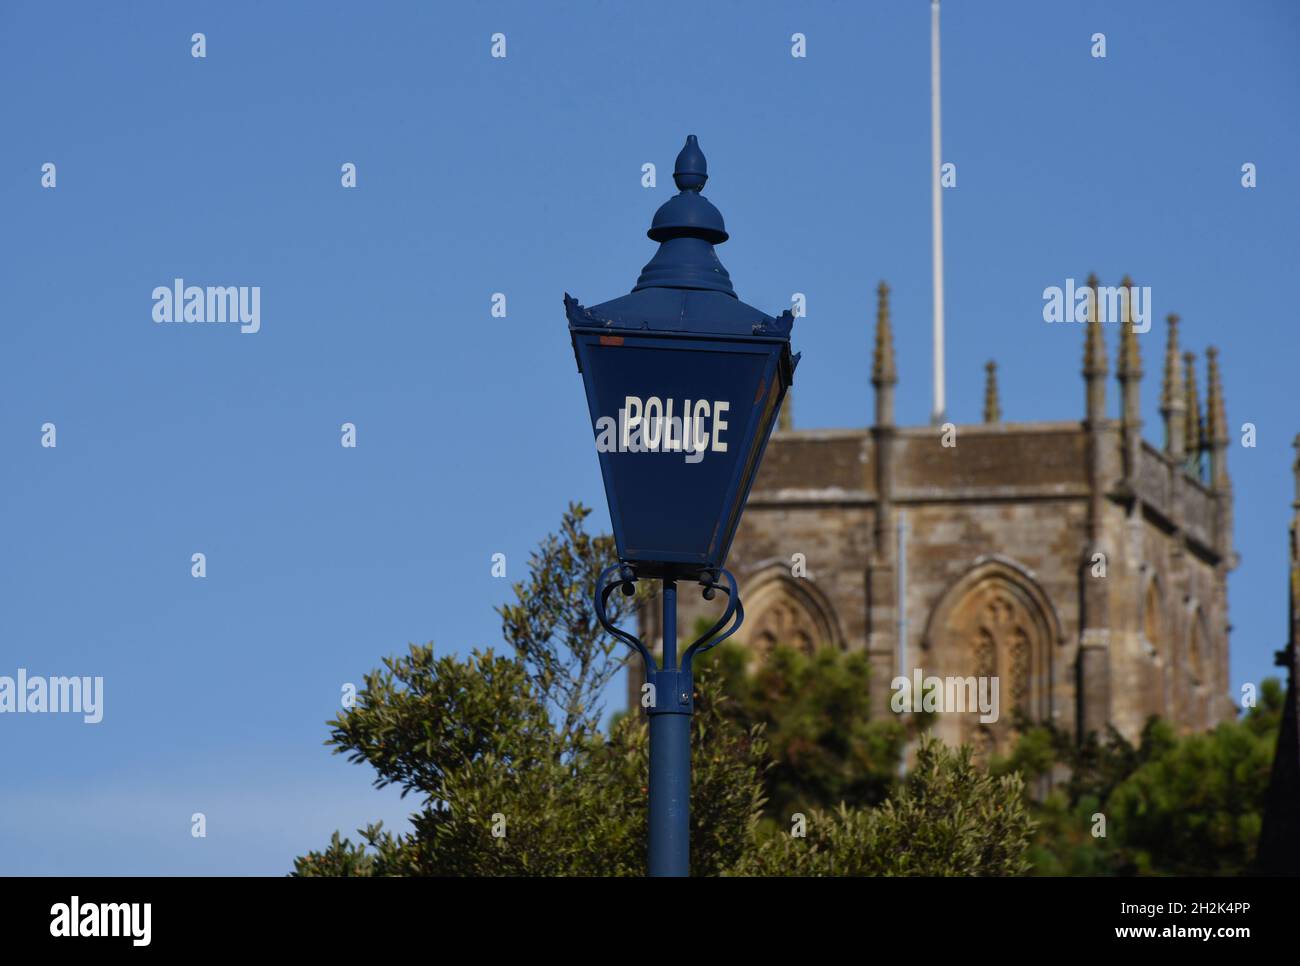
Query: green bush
x=514, y=777
x=949, y=818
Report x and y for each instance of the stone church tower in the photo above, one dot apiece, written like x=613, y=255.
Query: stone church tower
x=1080, y=565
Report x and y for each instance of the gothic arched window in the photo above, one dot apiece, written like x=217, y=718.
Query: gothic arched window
x=780, y=610
x=993, y=624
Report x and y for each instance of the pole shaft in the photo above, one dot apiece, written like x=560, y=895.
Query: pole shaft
x=670, y=794
x=670, y=757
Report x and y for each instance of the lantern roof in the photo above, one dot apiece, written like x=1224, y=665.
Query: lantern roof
x=685, y=288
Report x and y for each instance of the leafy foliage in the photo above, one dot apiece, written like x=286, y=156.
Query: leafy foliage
x=1189, y=805
x=513, y=777
x=492, y=760
x=949, y=818
x=553, y=628
x=585, y=814
x=1197, y=808
x=815, y=712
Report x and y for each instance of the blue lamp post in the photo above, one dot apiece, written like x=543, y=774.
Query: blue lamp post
x=684, y=382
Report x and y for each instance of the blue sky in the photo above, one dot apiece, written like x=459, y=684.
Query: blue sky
x=523, y=176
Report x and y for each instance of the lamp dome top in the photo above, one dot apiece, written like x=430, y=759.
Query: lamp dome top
x=687, y=226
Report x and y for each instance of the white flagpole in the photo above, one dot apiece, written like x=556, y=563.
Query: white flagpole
x=937, y=206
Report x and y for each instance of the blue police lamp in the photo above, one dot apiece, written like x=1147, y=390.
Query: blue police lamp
x=684, y=383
